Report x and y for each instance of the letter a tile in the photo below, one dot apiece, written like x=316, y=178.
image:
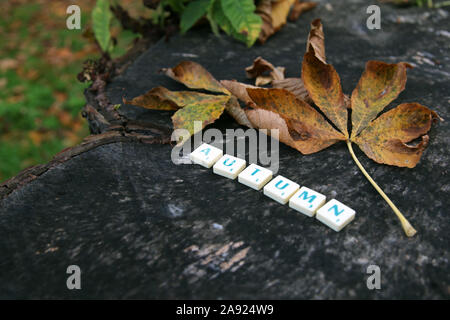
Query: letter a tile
x=206, y=155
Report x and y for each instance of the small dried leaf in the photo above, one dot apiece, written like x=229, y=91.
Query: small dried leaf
x=316, y=40
x=238, y=89
x=379, y=85
x=300, y=125
x=274, y=15
x=261, y=66
x=263, y=80
x=324, y=87
x=160, y=98
x=294, y=85
x=280, y=11
x=259, y=70
x=299, y=8
x=264, y=10
x=385, y=139
x=194, y=76
x=234, y=109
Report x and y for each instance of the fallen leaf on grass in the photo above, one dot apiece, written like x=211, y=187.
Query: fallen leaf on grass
x=7, y=64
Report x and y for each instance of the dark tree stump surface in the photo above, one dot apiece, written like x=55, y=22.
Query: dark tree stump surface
x=139, y=226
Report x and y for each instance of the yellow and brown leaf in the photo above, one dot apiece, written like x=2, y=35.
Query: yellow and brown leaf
x=379, y=85
x=385, y=139
x=207, y=112
x=300, y=125
x=194, y=76
x=160, y=98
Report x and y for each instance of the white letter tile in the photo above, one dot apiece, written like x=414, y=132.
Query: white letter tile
x=206, y=155
x=307, y=201
x=335, y=215
x=255, y=176
x=280, y=189
x=229, y=166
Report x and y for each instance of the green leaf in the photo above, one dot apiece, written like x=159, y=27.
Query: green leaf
x=219, y=17
x=193, y=12
x=210, y=17
x=241, y=14
x=176, y=5
x=101, y=19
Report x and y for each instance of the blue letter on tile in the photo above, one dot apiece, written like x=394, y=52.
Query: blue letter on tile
x=285, y=185
x=305, y=196
x=226, y=161
x=206, y=151
x=336, y=211
x=256, y=170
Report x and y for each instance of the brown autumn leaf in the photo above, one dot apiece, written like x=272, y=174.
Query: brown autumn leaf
x=160, y=98
x=385, y=139
x=316, y=40
x=300, y=125
x=294, y=85
x=264, y=10
x=238, y=89
x=316, y=45
x=324, y=87
x=234, y=109
x=300, y=7
x=274, y=14
x=379, y=85
x=194, y=76
x=264, y=72
x=280, y=11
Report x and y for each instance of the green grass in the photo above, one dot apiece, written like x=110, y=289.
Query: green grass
x=41, y=98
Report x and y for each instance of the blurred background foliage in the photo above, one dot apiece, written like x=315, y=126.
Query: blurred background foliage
x=40, y=96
